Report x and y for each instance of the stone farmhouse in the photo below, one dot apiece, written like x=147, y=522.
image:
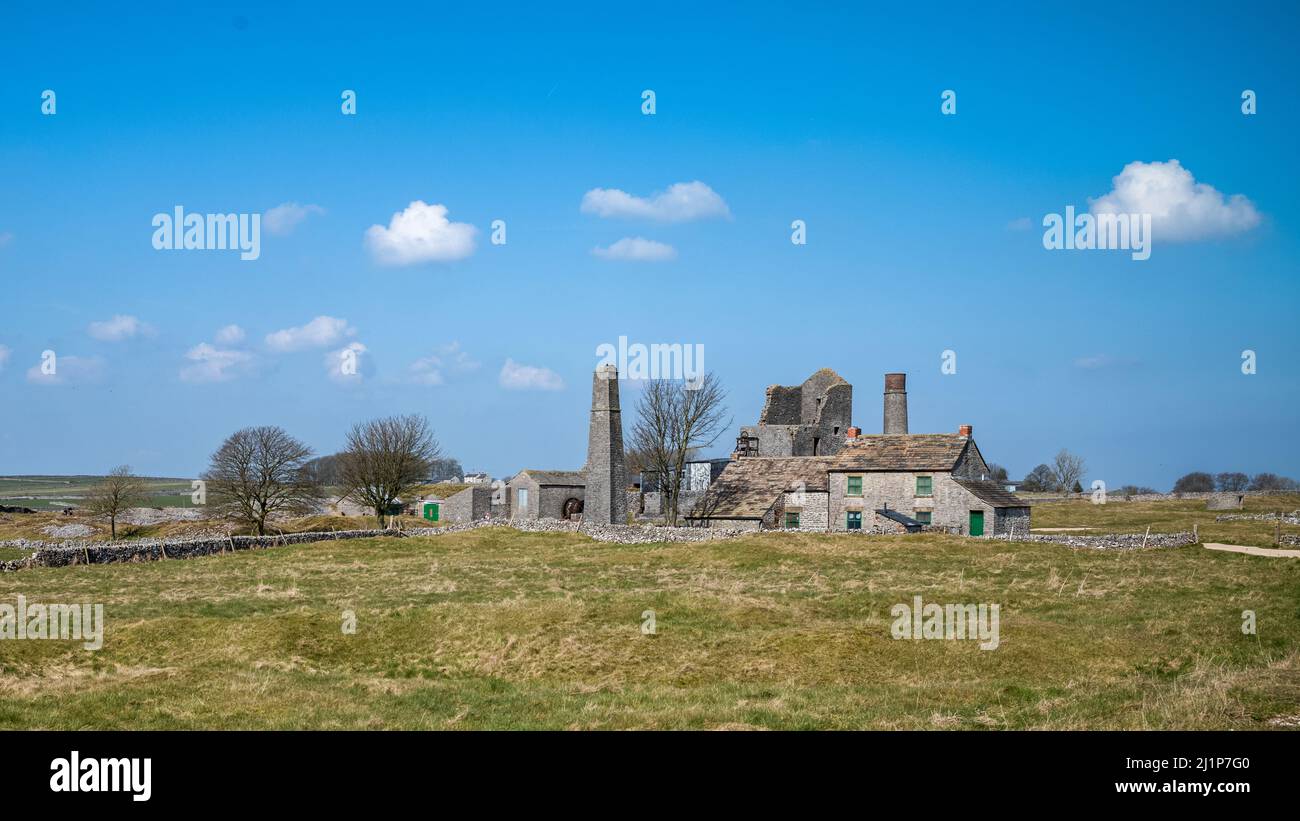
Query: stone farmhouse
x=882, y=483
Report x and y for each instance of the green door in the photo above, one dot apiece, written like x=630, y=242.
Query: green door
x=977, y=523
x=431, y=512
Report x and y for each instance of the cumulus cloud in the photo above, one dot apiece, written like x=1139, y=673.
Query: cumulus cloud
x=230, y=335
x=430, y=369
x=515, y=376
x=347, y=364
x=1181, y=208
x=5, y=353
x=118, y=328
x=421, y=233
x=286, y=216
x=320, y=332
x=213, y=364
x=682, y=202
x=68, y=370
x=637, y=249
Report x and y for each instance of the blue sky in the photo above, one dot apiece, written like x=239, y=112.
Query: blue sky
x=923, y=230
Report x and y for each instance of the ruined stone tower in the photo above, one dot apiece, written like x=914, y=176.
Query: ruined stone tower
x=605, y=500
x=895, y=403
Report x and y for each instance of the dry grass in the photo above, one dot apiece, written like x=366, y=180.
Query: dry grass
x=496, y=628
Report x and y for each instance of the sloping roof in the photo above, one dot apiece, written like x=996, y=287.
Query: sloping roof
x=991, y=492
x=569, y=478
x=747, y=487
x=901, y=451
x=902, y=519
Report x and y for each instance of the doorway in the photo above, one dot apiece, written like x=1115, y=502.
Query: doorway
x=977, y=523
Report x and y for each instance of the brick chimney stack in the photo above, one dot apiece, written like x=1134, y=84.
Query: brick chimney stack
x=895, y=403
x=852, y=433
x=965, y=430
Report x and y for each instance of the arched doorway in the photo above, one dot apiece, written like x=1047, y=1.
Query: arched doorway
x=572, y=508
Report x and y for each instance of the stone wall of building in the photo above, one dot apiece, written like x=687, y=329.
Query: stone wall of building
x=949, y=503
x=810, y=505
x=469, y=505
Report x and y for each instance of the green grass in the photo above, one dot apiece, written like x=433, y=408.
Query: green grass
x=501, y=629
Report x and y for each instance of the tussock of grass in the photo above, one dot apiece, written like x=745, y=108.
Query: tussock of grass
x=500, y=629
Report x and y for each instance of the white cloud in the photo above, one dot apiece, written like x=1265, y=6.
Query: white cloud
x=118, y=328
x=213, y=364
x=5, y=353
x=230, y=335
x=637, y=249
x=347, y=364
x=321, y=331
x=1180, y=207
x=68, y=370
x=421, y=233
x=429, y=370
x=682, y=202
x=286, y=216
x=515, y=376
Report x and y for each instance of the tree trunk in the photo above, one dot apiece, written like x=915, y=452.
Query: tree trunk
x=112, y=526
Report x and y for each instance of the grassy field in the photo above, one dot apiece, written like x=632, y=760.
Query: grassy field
x=500, y=629
x=1167, y=516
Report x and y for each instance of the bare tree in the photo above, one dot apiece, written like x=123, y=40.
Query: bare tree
x=120, y=490
x=1231, y=482
x=385, y=459
x=258, y=472
x=676, y=418
x=1067, y=469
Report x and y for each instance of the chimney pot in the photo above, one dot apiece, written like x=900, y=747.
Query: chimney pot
x=965, y=430
x=854, y=433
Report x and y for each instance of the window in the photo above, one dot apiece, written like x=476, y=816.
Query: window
x=924, y=486
x=922, y=516
x=855, y=486
x=792, y=520
x=523, y=498
x=853, y=520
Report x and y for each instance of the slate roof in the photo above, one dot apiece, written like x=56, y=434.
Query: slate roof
x=991, y=492
x=901, y=451
x=747, y=487
x=567, y=478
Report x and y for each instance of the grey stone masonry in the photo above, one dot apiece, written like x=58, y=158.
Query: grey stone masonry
x=606, y=497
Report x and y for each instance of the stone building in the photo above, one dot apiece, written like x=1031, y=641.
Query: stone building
x=882, y=483
x=469, y=505
x=801, y=420
x=546, y=494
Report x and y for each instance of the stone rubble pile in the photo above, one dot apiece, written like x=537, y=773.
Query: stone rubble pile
x=1110, y=541
x=1292, y=518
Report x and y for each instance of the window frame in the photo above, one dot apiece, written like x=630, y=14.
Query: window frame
x=929, y=480
x=848, y=486
x=792, y=514
x=848, y=519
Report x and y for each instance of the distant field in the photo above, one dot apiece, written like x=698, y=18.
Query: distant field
x=501, y=629
x=1166, y=516
x=56, y=492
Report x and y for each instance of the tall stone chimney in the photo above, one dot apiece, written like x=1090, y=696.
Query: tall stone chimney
x=895, y=403
x=605, y=500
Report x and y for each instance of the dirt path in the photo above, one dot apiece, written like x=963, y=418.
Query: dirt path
x=1254, y=551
